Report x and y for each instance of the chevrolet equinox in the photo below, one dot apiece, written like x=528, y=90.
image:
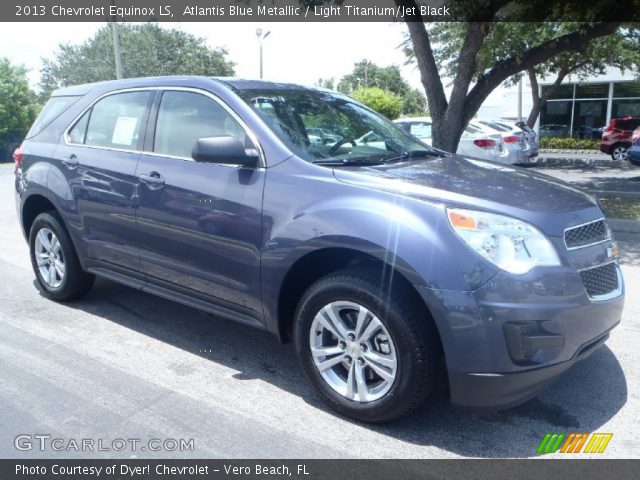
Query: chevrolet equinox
x=391, y=265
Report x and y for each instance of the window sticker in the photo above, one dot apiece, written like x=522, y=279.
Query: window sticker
x=124, y=131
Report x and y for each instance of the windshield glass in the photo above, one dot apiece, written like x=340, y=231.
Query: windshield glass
x=323, y=127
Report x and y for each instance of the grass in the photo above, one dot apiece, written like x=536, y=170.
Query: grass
x=621, y=208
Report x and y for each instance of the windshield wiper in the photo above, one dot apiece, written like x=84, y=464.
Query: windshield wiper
x=346, y=162
x=413, y=154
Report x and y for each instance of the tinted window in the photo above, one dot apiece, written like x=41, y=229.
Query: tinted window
x=558, y=92
x=592, y=90
x=52, y=110
x=625, y=108
x=184, y=117
x=626, y=89
x=116, y=120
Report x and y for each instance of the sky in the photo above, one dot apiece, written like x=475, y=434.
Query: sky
x=293, y=52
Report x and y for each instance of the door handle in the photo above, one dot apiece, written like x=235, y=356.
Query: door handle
x=71, y=161
x=153, y=180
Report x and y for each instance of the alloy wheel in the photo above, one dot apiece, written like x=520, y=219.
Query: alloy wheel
x=353, y=351
x=49, y=258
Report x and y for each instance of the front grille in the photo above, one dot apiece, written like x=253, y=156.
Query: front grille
x=586, y=234
x=600, y=280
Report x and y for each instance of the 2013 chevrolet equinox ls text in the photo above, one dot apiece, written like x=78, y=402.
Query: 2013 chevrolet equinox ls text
x=386, y=264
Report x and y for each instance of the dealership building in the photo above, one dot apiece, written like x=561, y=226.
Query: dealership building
x=578, y=107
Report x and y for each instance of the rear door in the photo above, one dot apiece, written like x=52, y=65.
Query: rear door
x=98, y=157
x=200, y=224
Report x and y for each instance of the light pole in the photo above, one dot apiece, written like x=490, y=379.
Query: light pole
x=116, y=44
x=261, y=36
x=116, y=49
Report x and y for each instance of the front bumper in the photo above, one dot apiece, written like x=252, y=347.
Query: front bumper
x=495, y=391
x=508, y=340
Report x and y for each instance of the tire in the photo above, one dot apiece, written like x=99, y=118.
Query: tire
x=68, y=281
x=407, y=335
x=619, y=152
x=633, y=161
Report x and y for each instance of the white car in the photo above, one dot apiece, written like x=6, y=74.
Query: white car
x=475, y=141
x=517, y=140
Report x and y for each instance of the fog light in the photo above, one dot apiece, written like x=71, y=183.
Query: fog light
x=527, y=342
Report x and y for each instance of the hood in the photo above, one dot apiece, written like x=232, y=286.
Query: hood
x=548, y=203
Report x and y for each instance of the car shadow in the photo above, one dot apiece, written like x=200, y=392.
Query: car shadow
x=583, y=399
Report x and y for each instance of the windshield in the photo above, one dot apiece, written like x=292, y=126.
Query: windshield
x=323, y=127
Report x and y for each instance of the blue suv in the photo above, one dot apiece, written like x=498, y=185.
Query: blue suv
x=391, y=265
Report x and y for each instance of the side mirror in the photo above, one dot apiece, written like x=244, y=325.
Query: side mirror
x=225, y=150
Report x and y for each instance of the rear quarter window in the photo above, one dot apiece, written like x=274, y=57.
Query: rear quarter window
x=55, y=107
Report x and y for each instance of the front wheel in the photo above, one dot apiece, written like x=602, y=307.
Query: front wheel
x=619, y=152
x=371, y=352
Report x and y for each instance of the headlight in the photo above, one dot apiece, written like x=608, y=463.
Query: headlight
x=510, y=244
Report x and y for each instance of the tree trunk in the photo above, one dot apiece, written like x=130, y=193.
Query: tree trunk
x=535, y=96
x=540, y=101
x=451, y=117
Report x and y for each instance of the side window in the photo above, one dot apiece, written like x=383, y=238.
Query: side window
x=185, y=117
x=114, y=122
x=631, y=124
x=79, y=131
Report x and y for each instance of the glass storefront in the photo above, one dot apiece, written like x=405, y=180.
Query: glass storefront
x=584, y=110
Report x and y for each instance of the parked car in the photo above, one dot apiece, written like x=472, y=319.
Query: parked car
x=475, y=141
x=519, y=129
x=532, y=138
x=560, y=131
x=585, y=131
x=616, y=138
x=514, y=138
x=526, y=136
x=634, y=151
x=325, y=135
x=385, y=264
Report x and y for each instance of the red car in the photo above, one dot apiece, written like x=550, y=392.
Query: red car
x=616, y=138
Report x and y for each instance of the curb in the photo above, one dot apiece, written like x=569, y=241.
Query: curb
x=616, y=194
x=620, y=225
x=577, y=152
x=575, y=161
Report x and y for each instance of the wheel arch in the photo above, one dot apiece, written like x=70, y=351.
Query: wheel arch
x=318, y=263
x=34, y=205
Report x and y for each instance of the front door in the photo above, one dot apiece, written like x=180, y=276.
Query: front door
x=200, y=224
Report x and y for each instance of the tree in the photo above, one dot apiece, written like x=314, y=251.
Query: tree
x=17, y=101
x=451, y=115
x=326, y=83
x=621, y=50
x=383, y=102
x=147, y=50
x=367, y=74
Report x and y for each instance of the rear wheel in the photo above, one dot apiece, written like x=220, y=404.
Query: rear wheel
x=55, y=261
x=619, y=152
x=370, y=352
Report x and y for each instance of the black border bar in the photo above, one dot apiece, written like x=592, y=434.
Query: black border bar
x=529, y=469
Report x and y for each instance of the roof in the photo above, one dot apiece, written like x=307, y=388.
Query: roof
x=234, y=83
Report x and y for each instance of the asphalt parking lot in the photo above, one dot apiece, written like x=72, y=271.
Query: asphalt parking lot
x=124, y=364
